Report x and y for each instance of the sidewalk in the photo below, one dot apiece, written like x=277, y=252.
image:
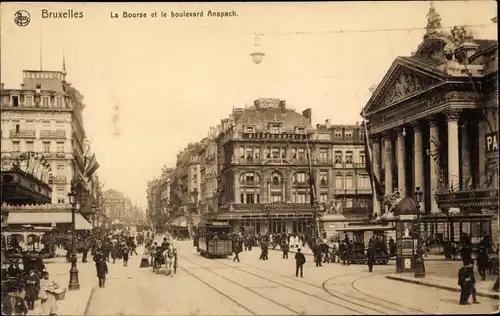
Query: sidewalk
x=483, y=287
x=75, y=302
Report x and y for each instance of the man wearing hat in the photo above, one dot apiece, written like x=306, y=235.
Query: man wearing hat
x=300, y=260
x=467, y=281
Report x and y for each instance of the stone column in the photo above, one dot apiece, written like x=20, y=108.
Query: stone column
x=452, y=117
x=435, y=169
x=288, y=184
x=376, y=170
x=388, y=163
x=401, y=158
x=465, y=155
x=481, y=152
x=418, y=159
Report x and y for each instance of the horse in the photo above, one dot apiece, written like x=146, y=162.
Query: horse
x=170, y=257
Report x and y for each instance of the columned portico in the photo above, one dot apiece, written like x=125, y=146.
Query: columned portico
x=388, y=163
x=452, y=117
x=465, y=156
x=401, y=157
x=434, y=171
x=418, y=158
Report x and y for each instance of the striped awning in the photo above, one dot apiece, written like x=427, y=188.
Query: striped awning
x=17, y=218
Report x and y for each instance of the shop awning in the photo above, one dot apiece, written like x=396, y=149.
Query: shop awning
x=17, y=218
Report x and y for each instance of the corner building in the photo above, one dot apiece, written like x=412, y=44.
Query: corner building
x=430, y=119
x=263, y=168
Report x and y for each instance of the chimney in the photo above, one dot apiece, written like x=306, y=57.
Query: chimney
x=327, y=123
x=283, y=106
x=466, y=50
x=308, y=115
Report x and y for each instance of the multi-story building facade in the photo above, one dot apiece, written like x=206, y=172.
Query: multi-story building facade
x=116, y=206
x=431, y=119
x=263, y=167
x=185, y=186
x=208, y=174
x=45, y=117
x=159, y=198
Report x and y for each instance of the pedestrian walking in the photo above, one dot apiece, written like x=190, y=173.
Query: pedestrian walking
x=32, y=289
x=466, y=281
x=125, y=256
x=370, y=256
x=285, y=248
x=47, y=297
x=102, y=270
x=482, y=262
x=236, y=250
x=300, y=260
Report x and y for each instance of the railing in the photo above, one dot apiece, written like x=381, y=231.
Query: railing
x=53, y=134
x=26, y=133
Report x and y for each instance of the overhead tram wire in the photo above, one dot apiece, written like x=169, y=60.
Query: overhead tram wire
x=346, y=31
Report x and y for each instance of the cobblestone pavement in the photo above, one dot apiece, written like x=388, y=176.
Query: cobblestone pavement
x=253, y=287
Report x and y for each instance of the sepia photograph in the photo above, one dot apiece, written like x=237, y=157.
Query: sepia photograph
x=249, y=158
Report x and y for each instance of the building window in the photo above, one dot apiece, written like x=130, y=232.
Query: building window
x=301, y=198
x=18, y=128
x=275, y=178
x=363, y=182
x=338, y=135
x=250, y=198
x=45, y=125
x=59, y=125
x=275, y=153
x=300, y=177
x=274, y=128
x=60, y=168
x=348, y=134
x=28, y=101
x=249, y=154
x=323, y=197
x=257, y=153
x=30, y=146
x=248, y=129
x=301, y=153
x=61, y=195
x=276, y=197
x=45, y=102
x=15, y=101
x=338, y=157
x=362, y=135
x=348, y=182
x=294, y=153
x=46, y=147
x=60, y=147
x=301, y=130
x=59, y=102
x=323, y=178
x=348, y=157
x=242, y=152
x=362, y=157
x=16, y=146
x=323, y=155
x=338, y=182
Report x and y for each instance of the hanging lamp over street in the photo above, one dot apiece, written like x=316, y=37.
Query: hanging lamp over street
x=257, y=56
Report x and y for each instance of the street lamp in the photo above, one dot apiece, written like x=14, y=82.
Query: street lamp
x=74, y=283
x=419, y=260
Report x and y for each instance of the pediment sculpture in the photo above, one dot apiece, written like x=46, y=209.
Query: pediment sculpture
x=407, y=83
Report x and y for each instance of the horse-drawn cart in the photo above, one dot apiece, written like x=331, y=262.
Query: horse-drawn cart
x=168, y=258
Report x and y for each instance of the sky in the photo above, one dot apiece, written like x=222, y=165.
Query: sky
x=173, y=78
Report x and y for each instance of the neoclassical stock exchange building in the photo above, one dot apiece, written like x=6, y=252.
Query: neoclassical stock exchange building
x=433, y=124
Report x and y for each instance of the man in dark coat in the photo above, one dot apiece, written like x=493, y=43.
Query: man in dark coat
x=236, y=250
x=102, y=270
x=285, y=247
x=125, y=255
x=300, y=260
x=466, y=281
x=370, y=256
x=32, y=282
x=482, y=262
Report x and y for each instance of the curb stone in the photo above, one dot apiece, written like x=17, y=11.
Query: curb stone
x=86, y=310
x=439, y=286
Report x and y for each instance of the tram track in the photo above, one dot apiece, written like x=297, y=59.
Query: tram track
x=242, y=286
x=337, y=304
x=341, y=296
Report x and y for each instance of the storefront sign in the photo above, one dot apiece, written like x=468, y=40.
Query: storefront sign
x=491, y=142
x=274, y=136
x=35, y=165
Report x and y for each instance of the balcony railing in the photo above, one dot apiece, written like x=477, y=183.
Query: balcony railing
x=277, y=206
x=24, y=133
x=53, y=134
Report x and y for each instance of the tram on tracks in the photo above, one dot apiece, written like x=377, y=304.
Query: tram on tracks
x=360, y=237
x=214, y=238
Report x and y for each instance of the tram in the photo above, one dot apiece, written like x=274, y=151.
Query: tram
x=214, y=239
x=360, y=237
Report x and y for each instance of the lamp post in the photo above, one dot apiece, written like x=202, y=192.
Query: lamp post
x=297, y=221
x=419, y=260
x=74, y=283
